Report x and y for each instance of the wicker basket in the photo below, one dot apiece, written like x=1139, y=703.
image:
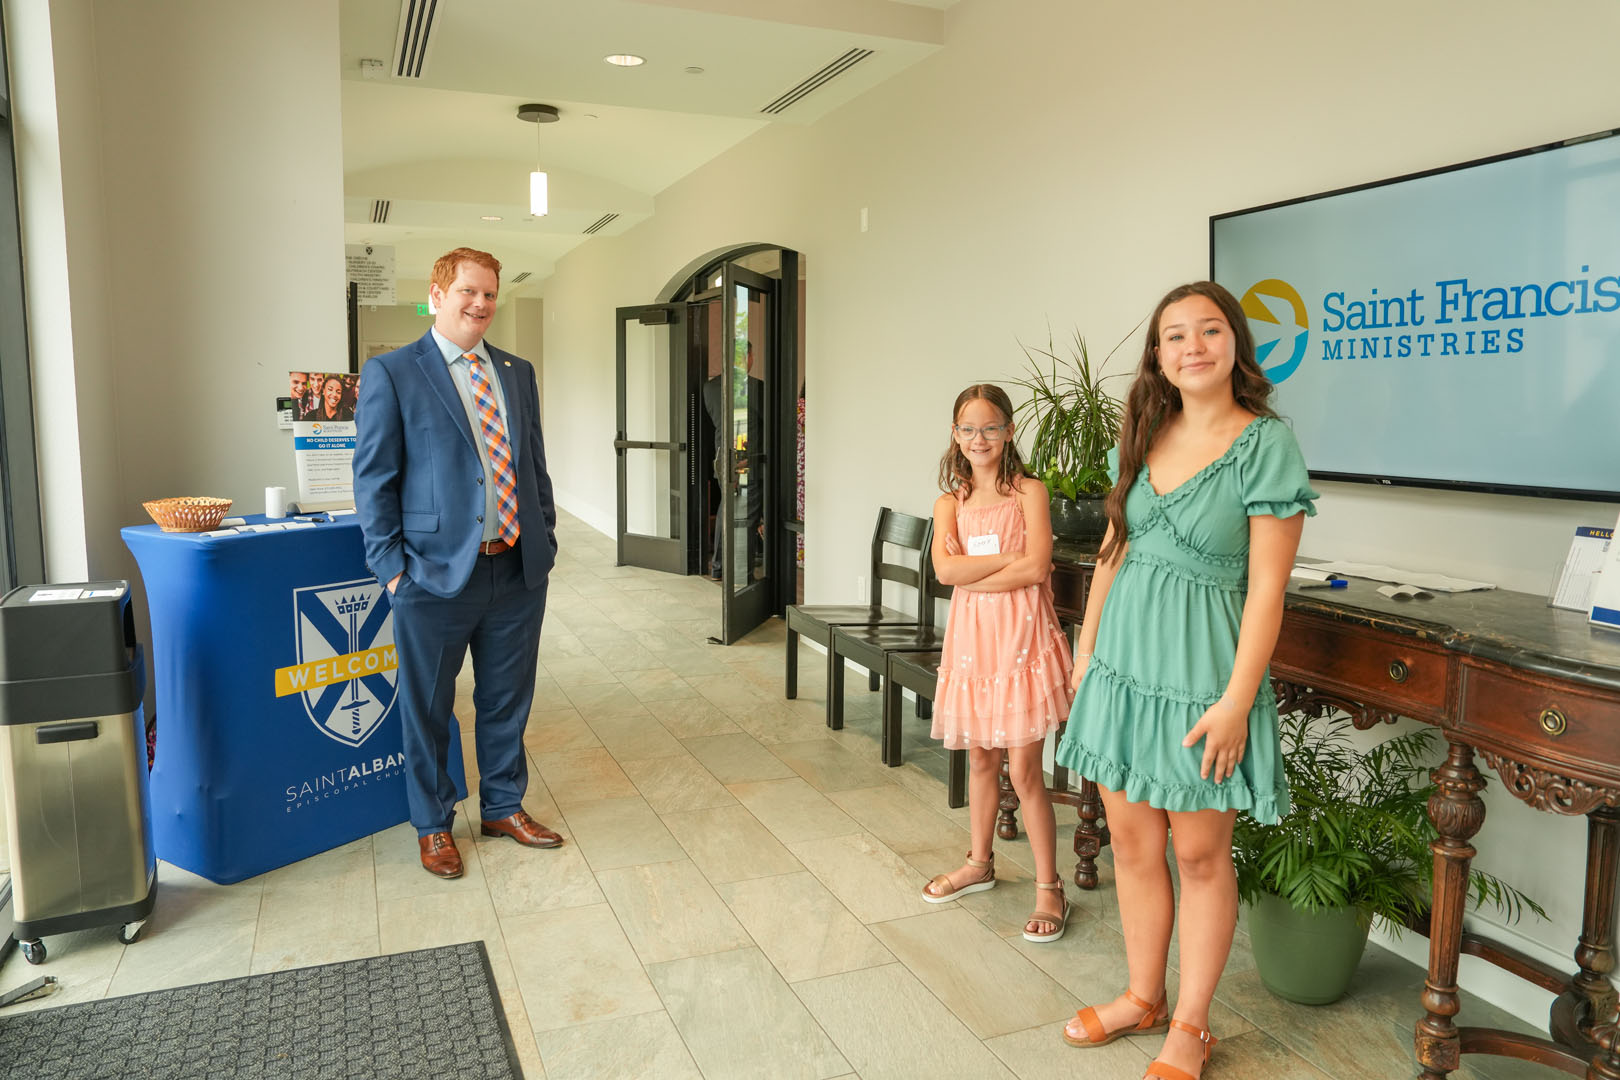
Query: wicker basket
x=188, y=514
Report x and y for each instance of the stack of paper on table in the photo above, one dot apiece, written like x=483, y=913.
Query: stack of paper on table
x=1431, y=582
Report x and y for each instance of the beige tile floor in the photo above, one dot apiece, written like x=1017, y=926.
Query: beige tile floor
x=739, y=895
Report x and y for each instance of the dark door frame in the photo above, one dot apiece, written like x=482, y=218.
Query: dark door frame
x=654, y=552
x=781, y=515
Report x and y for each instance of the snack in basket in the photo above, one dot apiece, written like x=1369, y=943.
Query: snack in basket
x=192, y=513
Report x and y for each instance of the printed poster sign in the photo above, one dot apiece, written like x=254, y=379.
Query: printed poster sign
x=324, y=436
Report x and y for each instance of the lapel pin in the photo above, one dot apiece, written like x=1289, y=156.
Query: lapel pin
x=508, y=363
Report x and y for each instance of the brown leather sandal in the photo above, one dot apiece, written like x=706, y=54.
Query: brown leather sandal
x=950, y=892
x=1059, y=920
x=1153, y=1020
x=1160, y=1071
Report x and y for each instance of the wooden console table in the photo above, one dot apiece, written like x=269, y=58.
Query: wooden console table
x=1533, y=690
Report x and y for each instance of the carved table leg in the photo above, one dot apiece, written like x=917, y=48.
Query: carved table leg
x=1457, y=813
x=1089, y=837
x=1589, y=1002
x=1006, y=823
x=1606, y=1066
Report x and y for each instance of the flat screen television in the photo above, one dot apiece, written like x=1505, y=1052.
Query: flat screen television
x=1455, y=328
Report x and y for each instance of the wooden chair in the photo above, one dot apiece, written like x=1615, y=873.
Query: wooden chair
x=919, y=673
x=869, y=646
x=817, y=621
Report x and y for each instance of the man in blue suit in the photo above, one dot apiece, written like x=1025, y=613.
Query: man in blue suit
x=453, y=498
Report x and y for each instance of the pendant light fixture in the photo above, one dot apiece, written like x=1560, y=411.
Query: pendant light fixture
x=538, y=194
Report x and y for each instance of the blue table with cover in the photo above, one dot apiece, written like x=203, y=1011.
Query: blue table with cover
x=274, y=675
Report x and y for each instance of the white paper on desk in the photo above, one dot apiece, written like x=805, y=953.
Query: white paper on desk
x=1310, y=573
x=233, y=521
x=289, y=526
x=223, y=532
x=1432, y=582
x=341, y=513
x=1404, y=592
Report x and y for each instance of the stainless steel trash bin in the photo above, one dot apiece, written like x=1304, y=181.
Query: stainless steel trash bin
x=73, y=762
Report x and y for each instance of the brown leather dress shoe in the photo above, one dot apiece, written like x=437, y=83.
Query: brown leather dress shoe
x=522, y=828
x=439, y=855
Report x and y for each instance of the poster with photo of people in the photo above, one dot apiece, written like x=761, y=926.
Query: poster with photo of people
x=324, y=436
x=323, y=395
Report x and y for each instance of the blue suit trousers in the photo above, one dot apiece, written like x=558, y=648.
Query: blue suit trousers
x=498, y=618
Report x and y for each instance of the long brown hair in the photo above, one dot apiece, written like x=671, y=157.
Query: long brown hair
x=1152, y=399
x=956, y=471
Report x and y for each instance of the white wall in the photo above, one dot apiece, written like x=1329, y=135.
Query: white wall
x=182, y=175
x=1058, y=162
x=224, y=204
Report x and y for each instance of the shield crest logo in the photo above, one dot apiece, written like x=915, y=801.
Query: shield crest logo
x=350, y=625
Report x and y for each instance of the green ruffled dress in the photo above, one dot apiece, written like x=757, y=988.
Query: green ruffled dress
x=1169, y=632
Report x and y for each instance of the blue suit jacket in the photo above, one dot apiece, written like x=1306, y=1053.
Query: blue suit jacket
x=417, y=477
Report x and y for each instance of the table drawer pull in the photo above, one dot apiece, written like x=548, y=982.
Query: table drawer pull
x=1553, y=722
x=1398, y=670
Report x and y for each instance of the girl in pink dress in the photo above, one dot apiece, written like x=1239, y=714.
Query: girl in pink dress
x=1004, y=675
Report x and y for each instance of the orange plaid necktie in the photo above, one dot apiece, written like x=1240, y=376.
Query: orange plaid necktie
x=500, y=450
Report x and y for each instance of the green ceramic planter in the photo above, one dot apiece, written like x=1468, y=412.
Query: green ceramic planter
x=1308, y=957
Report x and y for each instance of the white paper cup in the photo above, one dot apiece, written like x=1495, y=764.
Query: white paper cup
x=275, y=502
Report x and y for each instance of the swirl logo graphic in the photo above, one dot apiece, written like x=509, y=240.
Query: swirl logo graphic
x=315, y=429
x=1263, y=304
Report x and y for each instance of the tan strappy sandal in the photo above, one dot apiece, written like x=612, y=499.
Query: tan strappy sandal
x=950, y=892
x=1060, y=920
x=1160, y=1071
x=1154, y=1020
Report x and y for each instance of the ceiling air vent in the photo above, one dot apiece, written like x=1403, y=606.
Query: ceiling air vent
x=816, y=81
x=600, y=223
x=415, y=37
x=521, y=278
x=379, y=211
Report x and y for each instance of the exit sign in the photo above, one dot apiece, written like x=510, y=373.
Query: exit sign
x=422, y=309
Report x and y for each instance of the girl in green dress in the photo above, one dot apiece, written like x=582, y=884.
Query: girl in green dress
x=1174, y=716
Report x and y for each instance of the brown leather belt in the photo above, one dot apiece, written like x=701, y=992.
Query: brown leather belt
x=494, y=547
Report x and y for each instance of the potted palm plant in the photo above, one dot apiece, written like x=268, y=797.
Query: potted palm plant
x=1072, y=422
x=1354, y=847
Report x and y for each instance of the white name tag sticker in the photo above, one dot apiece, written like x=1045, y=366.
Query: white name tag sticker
x=988, y=544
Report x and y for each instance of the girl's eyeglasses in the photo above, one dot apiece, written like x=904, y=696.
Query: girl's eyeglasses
x=993, y=432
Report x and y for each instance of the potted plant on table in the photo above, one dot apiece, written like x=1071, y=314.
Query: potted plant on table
x=1072, y=422
x=1354, y=847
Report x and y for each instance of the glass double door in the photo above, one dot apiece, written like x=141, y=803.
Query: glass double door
x=695, y=475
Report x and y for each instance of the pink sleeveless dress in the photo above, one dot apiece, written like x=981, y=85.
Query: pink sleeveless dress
x=1005, y=669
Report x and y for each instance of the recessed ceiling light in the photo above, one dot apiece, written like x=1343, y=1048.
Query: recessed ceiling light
x=694, y=70
x=492, y=217
x=625, y=60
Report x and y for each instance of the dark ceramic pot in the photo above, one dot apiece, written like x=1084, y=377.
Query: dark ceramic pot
x=1081, y=519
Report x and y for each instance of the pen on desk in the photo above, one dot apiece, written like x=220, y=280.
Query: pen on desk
x=1336, y=583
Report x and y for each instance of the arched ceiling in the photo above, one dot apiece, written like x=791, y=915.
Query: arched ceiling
x=446, y=150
